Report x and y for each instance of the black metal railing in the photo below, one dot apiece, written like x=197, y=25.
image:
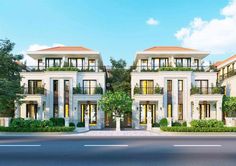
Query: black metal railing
x=148, y=90
x=173, y=68
x=34, y=90
x=207, y=90
x=226, y=75
x=88, y=90
x=67, y=68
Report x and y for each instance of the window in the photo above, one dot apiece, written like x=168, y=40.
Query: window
x=169, y=110
x=66, y=98
x=169, y=98
x=55, y=99
x=91, y=110
x=183, y=62
x=92, y=64
x=144, y=108
x=89, y=86
x=31, y=111
x=180, y=111
x=196, y=62
x=53, y=62
x=203, y=85
x=205, y=111
x=144, y=64
x=164, y=62
x=147, y=86
x=76, y=62
x=33, y=86
x=155, y=63
x=180, y=85
x=169, y=85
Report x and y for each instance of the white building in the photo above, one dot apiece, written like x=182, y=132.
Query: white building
x=67, y=83
x=171, y=82
x=227, y=75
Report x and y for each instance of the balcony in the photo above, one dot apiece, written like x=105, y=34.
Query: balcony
x=173, y=68
x=226, y=75
x=69, y=68
x=148, y=90
x=207, y=90
x=88, y=90
x=34, y=91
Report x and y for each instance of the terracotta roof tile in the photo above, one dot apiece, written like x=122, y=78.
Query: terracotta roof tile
x=226, y=60
x=67, y=48
x=169, y=48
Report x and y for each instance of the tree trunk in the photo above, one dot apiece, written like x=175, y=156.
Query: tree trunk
x=117, y=123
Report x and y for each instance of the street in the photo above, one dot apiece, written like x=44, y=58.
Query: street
x=76, y=150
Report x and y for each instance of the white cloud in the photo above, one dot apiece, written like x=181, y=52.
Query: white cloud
x=217, y=35
x=34, y=47
x=152, y=21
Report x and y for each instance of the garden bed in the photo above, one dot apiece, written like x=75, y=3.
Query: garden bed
x=37, y=129
x=194, y=129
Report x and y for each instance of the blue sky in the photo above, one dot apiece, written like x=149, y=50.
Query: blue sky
x=116, y=28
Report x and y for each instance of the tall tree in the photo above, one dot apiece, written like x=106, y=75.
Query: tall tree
x=9, y=78
x=117, y=102
x=119, y=76
x=229, y=106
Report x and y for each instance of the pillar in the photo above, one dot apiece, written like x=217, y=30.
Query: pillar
x=196, y=109
x=219, y=110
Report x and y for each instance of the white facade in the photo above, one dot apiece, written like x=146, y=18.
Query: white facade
x=227, y=75
x=188, y=107
x=60, y=97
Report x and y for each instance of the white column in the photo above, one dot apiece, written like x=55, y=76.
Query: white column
x=149, y=62
x=149, y=120
x=61, y=98
x=196, y=110
x=135, y=114
x=219, y=110
x=40, y=111
x=172, y=61
x=86, y=118
x=175, y=99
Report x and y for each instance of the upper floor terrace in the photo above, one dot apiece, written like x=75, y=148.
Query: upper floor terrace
x=165, y=58
x=64, y=58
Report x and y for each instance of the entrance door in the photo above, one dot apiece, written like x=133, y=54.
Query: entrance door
x=204, y=111
x=31, y=111
x=126, y=121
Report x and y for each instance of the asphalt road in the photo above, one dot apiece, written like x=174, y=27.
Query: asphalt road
x=74, y=150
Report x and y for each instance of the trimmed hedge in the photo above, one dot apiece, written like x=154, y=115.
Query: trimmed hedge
x=80, y=124
x=195, y=129
x=163, y=122
x=212, y=123
x=37, y=129
x=21, y=123
x=71, y=124
x=156, y=125
x=58, y=121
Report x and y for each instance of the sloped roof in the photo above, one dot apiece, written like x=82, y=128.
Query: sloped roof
x=67, y=48
x=225, y=61
x=169, y=48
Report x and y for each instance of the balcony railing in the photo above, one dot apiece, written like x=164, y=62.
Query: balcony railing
x=173, y=68
x=226, y=75
x=88, y=90
x=34, y=90
x=207, y=90
x=148, y=90
x=69, y=68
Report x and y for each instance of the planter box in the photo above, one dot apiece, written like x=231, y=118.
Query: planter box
x=5, y=121
x=230, y=121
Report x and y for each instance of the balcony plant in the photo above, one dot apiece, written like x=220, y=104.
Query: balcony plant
x=195, y=90
x=98, y=89
x=77, y=89
x=158, y=89
x=217, y=90
x=137, y=90
x=39, y=90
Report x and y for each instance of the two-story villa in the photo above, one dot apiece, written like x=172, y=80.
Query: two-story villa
x=171, y=82
x=67, y=83
x=227, y=75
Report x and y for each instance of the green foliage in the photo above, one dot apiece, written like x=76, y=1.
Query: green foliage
x=69, y=69
x=118, y=102
x=119, y=79
x=77, y=89
x=217, y=90
x=195, y=90
x=175, y=69
x=156, y=125
x=21, y=123
x=163, y=122
x=9, y=77
x=212, y=123
x=39, y=90
x=98, y=90
x=198, y=129
x=58, y=121
x=137, y=90
x=158, y=89
x=229, y=106
x=71, y=124
x=37, y=129
x=80, y=124
x=184, y=124
x=176, y=124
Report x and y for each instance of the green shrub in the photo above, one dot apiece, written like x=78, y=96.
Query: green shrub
x=98, y=90
x=28, y=123
x=176, y=124
x=80, y=124
x=58, y=121
x=206, y=123
x=155, y=124
x=184, y=124
x=71, y=124
x=163, y=122
x=197, y=129
x=38, y=129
